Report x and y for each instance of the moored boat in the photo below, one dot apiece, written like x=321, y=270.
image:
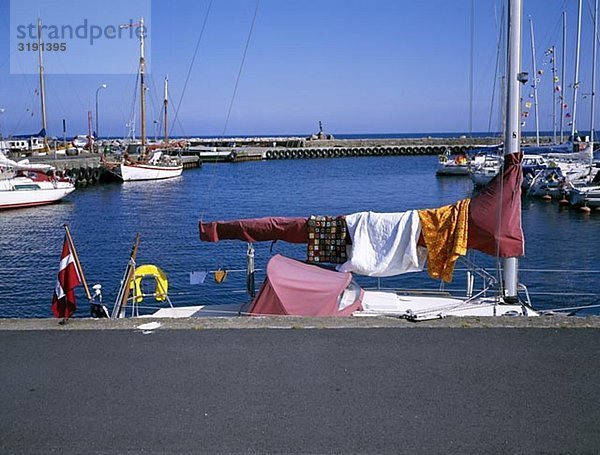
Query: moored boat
x=25, y=185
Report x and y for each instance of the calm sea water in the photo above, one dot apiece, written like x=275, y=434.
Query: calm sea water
x=561, y=245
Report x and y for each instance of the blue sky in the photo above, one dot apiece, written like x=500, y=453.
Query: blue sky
x=377, y=66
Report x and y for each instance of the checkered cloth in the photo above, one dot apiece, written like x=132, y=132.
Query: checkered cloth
x=327, y=239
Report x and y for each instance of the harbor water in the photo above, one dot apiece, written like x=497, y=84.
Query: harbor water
x=560, y=267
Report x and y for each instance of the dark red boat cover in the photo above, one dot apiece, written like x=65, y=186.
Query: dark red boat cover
x=495, y=213
x=494, y=219
x=298, y=289
x=293, y=230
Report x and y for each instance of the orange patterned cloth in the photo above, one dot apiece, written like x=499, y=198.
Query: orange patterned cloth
x=445, y=231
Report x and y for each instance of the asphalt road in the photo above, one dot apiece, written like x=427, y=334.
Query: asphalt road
x=384, y=390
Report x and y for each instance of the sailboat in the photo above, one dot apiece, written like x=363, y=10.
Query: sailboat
x=390, y=244
x=26, y=185
x=139, y=161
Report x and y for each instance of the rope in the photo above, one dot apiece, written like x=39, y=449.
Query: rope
x=211, y=181
x=187, y=78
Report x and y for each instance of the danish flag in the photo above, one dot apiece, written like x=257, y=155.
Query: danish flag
x=63, y=302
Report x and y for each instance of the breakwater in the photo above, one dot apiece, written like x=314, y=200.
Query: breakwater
x=86, y=168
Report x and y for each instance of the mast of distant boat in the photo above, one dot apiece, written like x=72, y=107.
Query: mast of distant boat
x=142, y=33
x=553, y=51
x=594, y=75
x=562, y=76
x=142, y=86
x=42, y=85
x=535, y=78
x=166, y=104
x=512, y=133
x=576, y=78
x=471, y=68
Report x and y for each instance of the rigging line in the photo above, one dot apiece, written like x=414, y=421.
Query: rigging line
x=131, y=76
x=239, y=75
x=189, y=73
x=70, y=81
x=211, y=181
x=498, y=50
x=131, y=121
x=155, y=106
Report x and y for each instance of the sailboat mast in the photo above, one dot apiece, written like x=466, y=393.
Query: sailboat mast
x=553, y=50
x=576, y=78
x=562, y=76
x=512, y=133
x=535, y=78
x=471, y=68
x=166, y=104
x=42, y=85
x=595, y=51
x=142, y=85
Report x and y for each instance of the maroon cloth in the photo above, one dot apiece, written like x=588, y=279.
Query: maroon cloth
x=293, y=230
x=298, y=289
x=495, y=213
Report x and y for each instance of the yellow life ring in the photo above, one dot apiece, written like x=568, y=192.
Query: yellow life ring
x=149, y=270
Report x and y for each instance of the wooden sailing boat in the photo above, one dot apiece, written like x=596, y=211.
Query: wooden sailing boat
x=141, y=161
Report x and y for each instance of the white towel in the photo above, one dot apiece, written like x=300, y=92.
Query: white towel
x=384, y=244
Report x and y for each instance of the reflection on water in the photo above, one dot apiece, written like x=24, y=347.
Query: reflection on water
x=104, y=220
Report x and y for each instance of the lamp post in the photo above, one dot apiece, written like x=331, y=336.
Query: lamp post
x=1, y=130
x=97, y=91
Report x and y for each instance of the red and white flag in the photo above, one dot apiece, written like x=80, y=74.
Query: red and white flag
x=63, y=302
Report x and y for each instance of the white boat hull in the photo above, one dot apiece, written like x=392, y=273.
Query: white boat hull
x=452, y=169
x=24, y=192
x=139, y=172
x=588, y=196
x=422, y=307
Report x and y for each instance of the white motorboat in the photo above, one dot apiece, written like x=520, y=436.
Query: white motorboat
x=26, y=185
x=484, y=170
x=585, y=196
x=453, y=165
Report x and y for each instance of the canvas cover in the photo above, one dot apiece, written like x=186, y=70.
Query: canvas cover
x=289, y=229
x=298, y=289
x=495, y=213
x=494, y=219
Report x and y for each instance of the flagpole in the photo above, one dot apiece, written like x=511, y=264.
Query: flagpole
x=119, y=308
x=77, y=263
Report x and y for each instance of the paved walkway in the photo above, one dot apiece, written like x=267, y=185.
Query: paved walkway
x=299, y=390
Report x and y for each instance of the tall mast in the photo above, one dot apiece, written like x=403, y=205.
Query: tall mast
x=471, y=68
x=512, y=133
x=42, y=85
x=553, y=50
x=142, y=85
x=166, y=104
x=535, y=78
x=594, y=75
x=576, y=78
x=562, y=76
